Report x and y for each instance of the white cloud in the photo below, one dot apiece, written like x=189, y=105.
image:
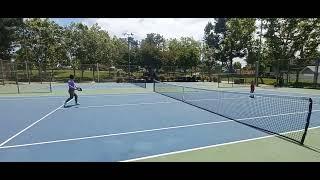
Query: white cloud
x=140, y=27
x=168, y=27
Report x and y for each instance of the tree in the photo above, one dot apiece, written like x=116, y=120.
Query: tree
x=291, y=39
x=213, y=37
x=237, y=65
x=189, y=55
x=152, y=49
x=41, y=42
x=171, y=55
x=8, y=35
x=119, y=49
x=238, y=36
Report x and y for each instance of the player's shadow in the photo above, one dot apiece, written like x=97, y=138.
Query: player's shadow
x=69, y=106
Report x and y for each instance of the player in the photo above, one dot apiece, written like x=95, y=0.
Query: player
x=252, y=89
x=72, y=87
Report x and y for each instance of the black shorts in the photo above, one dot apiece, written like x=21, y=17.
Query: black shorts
x=71, y=92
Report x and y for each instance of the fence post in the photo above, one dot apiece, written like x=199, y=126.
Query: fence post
x=40, y=72
x=288, y=72
x=98, y=72
x=316, y=74
x=2, y=71
x=93, y=72
x=27, y=69
x=17, y=79
x=257, y=73
x=51, y=80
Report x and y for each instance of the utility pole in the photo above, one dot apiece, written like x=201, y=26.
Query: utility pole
x=128, y=36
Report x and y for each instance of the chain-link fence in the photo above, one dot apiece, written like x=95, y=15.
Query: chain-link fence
x=234, y=80
x=24, y=78
x=27, y=77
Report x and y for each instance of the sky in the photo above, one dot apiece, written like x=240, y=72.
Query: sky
x=140, y=27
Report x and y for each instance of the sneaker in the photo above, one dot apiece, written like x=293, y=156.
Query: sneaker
x=65, y=104
x=77, y=103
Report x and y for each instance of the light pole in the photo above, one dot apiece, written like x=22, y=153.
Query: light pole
x=128, y=36
x=259, y=56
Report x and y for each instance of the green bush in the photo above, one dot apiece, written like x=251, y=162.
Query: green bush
x=215, y=79
x=238, y=81
x=120, y=80
x=300, y=85
x=268, y=81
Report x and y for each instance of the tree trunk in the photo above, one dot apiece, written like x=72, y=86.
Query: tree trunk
x=93, y=70
x=45, y=72
x=39, y=71
x=82, y=71
x=174, y=71
x=230, y=66
x=30, y=69
x=261, y=79
x=297, y=76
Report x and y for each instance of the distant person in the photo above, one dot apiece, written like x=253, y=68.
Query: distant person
x=252, y=89
x=72, y=87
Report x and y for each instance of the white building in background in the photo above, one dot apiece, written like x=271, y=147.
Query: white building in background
x=307, y=74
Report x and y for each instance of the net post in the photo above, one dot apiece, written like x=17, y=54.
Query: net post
x=308, y=122
x=182, y=93
x=154, y=86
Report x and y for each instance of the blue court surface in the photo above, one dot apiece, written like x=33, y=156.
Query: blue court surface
x=111, y=127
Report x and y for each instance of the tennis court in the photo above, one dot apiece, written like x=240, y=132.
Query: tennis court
x=124, y=122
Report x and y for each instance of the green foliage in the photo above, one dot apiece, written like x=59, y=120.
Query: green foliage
x=8, y=35
x=237, y=65
x=43, y=42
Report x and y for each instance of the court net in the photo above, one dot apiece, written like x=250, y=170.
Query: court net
x=139, y=82
x=286, y=116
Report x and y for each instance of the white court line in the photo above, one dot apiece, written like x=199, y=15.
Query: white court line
x=120, y=105
x=33, y=98
x=115, y=134
x=29, y=126
x=204, y=147
x=135, y=132
x=66, y=96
